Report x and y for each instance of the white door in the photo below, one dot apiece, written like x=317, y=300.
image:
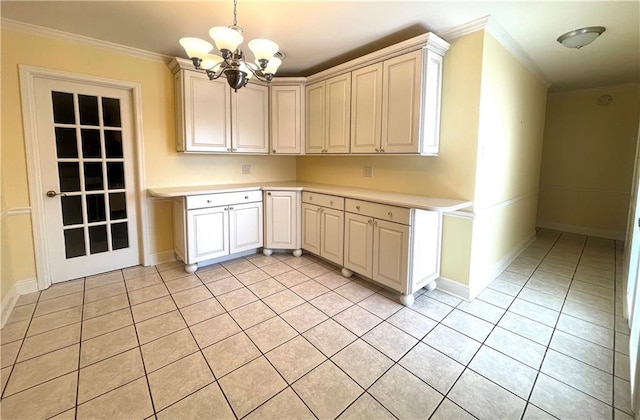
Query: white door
x=281, y=218
x=358, y=243
x=250, y=119
x=207, y=233
x=338, y=114
x=311, y=228
x=84, y=139
x=245, y=227
x=332, y=234
x=315, y=118
x=391, y=254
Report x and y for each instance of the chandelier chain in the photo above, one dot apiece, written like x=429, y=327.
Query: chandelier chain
x=235, y=13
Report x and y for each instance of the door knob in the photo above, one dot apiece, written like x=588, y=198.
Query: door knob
x=52, y=194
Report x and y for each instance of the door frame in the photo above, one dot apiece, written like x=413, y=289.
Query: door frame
x=28, y=74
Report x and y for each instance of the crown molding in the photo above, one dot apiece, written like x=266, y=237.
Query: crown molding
x=490, y=25
x=82, y=40
x=597, y=89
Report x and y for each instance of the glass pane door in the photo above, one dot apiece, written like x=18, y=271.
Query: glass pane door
x=91, y=173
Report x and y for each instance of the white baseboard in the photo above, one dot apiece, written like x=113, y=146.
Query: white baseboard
x=501, y=265
x=162, y=257
x=453, y=288
x=21, y=287
x=584, y=230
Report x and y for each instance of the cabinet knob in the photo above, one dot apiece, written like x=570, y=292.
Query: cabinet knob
x=269, y=193
x=273, y=151
x=226, y=208
x=331, y=203
x=246, y=197
x=390, y=214
x=234, y=149
x=377, y=150
x=208, y=201
x=228, y=149
x=381, y=150
x=370, y=221
x=310, y=197
x=230, y=208
x=358, y=208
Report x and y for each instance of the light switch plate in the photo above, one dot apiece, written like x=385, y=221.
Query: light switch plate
x=367, y=171
x=246, y=169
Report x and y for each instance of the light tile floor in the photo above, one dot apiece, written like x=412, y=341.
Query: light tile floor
x=283, y=337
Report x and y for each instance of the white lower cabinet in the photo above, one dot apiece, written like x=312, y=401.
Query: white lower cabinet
x=394, y=246
x=323, y=226
x=282, y=221
x=212, y=226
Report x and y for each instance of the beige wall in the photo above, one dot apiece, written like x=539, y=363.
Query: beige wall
x=587, y=161
x=510, y=137
x=163, y=166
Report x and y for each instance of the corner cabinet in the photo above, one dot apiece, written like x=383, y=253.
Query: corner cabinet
x=212, y=226
x=282, y=221
x=212, y=118
x=287, y=117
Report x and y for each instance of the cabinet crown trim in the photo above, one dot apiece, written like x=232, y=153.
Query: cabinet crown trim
x=428, y=41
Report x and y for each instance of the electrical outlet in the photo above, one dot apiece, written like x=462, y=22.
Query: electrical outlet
x=368, y=171
x=246, y=169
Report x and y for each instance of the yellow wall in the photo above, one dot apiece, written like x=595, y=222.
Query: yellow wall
x=450, y=174
x=587, y=161
x=510, y=137
x=163, y=165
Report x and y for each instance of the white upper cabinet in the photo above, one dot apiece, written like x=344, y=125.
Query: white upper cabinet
x=366, y=109
x=203, y=111
x=394, y=101
x=286, y=119
x=211, y=118
x=329, y=115
x=250, y=119
x=401, y=104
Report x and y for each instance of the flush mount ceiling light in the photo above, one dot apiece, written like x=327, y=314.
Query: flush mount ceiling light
x=581, y=37
x=232, y=62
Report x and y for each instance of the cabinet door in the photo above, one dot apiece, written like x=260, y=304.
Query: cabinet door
x=245, y=227
x=390, y=254
x=366, y=109
x=250, y=113
x=286, y=117
x=338, y=114
x=311, y=228
x=207, y=234
x=281, y=220
x=358, y=244
x=207, y=114
x=315, y=114
x=332, y=235
x=401, y=103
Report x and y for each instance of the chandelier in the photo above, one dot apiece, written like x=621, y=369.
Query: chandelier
x=232, y=62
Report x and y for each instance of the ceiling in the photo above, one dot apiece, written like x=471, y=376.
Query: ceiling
x=318, y=34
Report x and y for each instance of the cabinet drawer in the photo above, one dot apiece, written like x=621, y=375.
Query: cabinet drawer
x=222, y=199
x=323, y=200
x=379, y=211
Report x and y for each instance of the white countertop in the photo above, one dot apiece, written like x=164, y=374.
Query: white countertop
x=385, y=197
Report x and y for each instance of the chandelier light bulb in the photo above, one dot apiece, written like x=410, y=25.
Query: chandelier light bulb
x=196, y=47
x=225, y=38
x=272, y=66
